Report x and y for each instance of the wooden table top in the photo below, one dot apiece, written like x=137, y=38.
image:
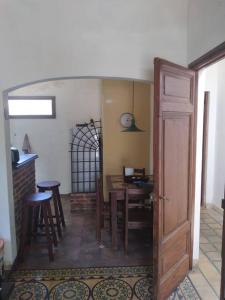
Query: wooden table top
x=116, y=183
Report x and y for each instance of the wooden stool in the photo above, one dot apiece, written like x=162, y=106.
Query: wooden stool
x=32, y=202
x=53, y=186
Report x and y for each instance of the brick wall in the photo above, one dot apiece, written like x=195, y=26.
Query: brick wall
x=23, y=184
x=82, y=201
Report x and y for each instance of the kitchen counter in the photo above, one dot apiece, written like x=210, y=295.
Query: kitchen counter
x=24, y=159
x=23, y=184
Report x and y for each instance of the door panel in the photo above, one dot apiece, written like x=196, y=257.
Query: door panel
x=177, y=87
x=170, y=256
x=175, y=147
x=174, y=132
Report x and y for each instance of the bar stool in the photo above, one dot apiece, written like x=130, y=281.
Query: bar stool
x=33, y=201
x=53, y=185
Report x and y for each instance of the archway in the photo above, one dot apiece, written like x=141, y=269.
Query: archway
x=15, y=88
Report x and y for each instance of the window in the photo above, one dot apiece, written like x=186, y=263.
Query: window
x=29, y=107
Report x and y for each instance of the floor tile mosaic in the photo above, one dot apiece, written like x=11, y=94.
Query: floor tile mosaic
x=203, y=282
x=113, y=283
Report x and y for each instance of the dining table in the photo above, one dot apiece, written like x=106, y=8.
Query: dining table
x=116, y=187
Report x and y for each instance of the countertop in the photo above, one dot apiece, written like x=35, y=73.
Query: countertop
x=24, y=159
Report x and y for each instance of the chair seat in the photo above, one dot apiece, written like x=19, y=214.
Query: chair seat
x=53, y=185
x=49, y=184
x=38, y=198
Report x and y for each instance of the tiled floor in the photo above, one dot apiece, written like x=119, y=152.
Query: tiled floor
x=206, y=276
x=78, y=246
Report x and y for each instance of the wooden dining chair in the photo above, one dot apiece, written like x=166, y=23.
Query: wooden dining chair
x=102, y=209
x=137, y=214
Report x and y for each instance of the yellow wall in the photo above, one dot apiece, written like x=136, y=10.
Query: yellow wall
x=119, y=148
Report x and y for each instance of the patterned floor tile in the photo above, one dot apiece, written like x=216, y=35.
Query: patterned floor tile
x=124, y=283
x=215, y=256
x=203, y=240
x=207, y=247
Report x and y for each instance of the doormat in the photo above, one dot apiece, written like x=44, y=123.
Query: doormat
x=108, y=283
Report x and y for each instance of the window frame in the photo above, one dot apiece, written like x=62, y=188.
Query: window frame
x=52, y=116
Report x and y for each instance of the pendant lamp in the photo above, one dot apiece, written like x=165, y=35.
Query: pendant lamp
x=133, y=127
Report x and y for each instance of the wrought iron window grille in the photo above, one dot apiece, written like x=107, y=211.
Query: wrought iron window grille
x=86, y=156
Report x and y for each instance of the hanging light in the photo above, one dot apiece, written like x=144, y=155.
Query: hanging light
x=133, y=127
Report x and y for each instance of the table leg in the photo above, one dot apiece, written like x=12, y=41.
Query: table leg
x=114, y=220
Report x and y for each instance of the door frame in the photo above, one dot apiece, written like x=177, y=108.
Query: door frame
x=214, y=55
x=209, y=58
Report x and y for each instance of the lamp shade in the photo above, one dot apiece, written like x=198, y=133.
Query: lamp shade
x=133, y=127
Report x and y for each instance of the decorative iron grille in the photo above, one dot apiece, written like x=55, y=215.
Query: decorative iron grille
x=86, y=156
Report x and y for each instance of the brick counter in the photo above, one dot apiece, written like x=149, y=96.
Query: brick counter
x=23, y=184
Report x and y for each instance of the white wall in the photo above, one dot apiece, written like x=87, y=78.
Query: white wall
x=211, y=85
x=206, y=23
x=92, y=38
x=219, y=167
x=212, y=80
x=201, y=89
x=77, y=101
x=81, y=38
x=7, y=218
x=208, y=80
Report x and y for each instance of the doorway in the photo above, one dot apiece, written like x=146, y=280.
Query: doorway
x=211, y=68
x=176, y=123
x=78, y=247
x=211, y=111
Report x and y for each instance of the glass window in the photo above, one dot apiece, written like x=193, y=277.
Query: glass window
x=31, y=107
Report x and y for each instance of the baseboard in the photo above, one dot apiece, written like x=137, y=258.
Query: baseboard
x=195, y=263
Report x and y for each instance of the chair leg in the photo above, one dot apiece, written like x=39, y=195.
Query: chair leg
x=60, y=207
x=126, y=241
x=102, y=214
x=57, y=217
x=30, y=224
x=50, y=218
x=24, y=232
x=48, y=236
x=98, y=222
x=126, y=233
x=36, y=220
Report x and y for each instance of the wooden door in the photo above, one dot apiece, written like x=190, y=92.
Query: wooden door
x=174, y=148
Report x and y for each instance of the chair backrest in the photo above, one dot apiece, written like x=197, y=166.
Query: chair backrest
x=135, y=198
x=139, y=172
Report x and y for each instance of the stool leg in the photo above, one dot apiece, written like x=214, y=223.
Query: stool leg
x=60, y=207
x=57, y=213
x=30, y=224
x=24, y=232
x=50, y=247
x=36, y=220
x=49, y=211
x=41, y=223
